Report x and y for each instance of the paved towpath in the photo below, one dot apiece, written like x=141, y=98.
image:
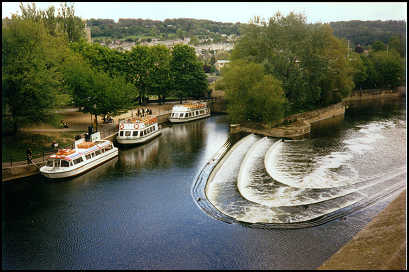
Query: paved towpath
x=381, y=245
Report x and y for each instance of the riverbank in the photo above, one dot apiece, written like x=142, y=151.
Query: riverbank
x=380, y=245
x=79, y=123
x=299, y=125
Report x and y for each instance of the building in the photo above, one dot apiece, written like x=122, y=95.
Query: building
x=220, y=64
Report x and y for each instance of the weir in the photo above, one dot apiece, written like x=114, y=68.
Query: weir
x=232, y=188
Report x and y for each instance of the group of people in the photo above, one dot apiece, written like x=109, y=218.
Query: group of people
x=108, y=119
x=143, y=112
x=63, y=124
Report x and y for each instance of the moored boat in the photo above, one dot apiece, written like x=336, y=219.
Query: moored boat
x=188, y=112
x=138, y=130
x=85, y=156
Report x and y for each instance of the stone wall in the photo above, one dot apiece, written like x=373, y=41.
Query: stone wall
x=20, y=171
x=375, y=94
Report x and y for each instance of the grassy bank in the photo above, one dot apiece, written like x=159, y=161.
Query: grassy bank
x=14, y=147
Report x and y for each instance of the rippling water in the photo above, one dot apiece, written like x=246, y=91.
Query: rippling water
x=137, y=211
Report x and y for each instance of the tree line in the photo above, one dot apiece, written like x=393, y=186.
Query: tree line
x=368, y=32
x=133, y=29
x=283, y=66
x=357, y=32
x=46, y=63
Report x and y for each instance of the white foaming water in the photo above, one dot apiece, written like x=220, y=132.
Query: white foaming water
x=326, y=170
x=264, y=214
x=229, y=166
x=268, y=181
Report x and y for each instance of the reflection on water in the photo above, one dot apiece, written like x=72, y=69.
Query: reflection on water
x=343, y=162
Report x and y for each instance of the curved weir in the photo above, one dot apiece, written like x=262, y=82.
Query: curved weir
x=235, y=188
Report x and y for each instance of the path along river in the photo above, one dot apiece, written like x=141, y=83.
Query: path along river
x=137, y=211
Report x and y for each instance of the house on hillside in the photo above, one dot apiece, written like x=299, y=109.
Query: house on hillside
x=220, y=64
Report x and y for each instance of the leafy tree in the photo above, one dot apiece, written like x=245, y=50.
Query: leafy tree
x=252, y=95
x=160, y=72
x=398, y=43
x=378, y=46
x=111, y=61
x=97, y=92
x=65, y=22
x=139, y=64
x=360, y=70
x=388, y=68
x=187, y=73
x=308, y=59
x=31, y=61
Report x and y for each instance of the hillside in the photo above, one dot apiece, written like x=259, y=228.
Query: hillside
x=367, y=32
x=206, y=31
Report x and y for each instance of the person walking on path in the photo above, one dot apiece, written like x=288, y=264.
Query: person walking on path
x=29, y=155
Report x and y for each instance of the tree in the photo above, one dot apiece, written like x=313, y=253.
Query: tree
x=160, y=81
x=388, y=69
x=360, y=70
x=111, y=61
x=65, y=22
x=188, y=77
x=308, y=59
x=95, y=91
x=378, y=46
x=252, y=95
x=31, y=59
x=397, y=43
x=139, y=64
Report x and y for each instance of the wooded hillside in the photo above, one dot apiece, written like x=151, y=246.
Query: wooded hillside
x=358, y=32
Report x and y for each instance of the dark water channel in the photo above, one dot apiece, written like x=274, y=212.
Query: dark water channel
x=137, y=211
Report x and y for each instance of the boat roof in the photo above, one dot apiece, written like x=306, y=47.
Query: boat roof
x=81, y=151
x=146, y=119
x=190, y=106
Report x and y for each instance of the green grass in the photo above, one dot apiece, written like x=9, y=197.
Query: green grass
x=14, y=147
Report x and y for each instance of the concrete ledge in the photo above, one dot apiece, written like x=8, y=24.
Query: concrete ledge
x=380, y=245
x=19, y=172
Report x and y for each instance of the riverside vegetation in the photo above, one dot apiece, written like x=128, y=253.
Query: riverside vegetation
x=278, y=67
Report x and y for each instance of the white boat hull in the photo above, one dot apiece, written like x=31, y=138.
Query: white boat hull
x=183, y=120
x=80, y=168
x=136, y=140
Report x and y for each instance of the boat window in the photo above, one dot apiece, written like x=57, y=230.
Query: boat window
x=88, y=156
x=79, y=160
x=50, y=163
x=197, y=112
x=103, y=150
x=71, y=164
x=57, y=163
x=135, y=133
x=127, y=133
x=65, y=163
x=92, y=154
x=121, y=133
x=97, y=152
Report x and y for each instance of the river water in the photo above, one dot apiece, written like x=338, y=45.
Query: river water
x=137, y=211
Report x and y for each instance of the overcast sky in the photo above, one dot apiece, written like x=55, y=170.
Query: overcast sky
x=229, y=11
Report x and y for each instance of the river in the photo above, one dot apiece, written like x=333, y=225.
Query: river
x=137, y=211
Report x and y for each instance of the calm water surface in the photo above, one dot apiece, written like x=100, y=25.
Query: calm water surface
x=137, y=212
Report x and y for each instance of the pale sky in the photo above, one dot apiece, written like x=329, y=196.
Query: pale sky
x=229, y=11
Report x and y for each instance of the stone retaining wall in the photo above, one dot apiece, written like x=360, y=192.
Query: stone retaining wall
x=299, y=124
x=375, y=94
x=20, y=171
